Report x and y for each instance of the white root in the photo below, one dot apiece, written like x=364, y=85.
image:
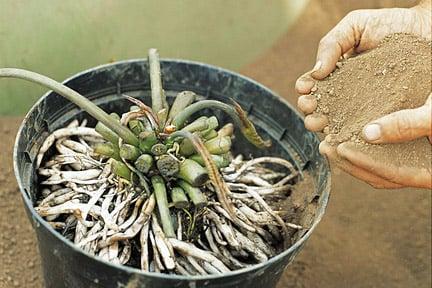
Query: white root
x=98, y=193
x=126, y=252
x=239, y=221
x=191, y=250
x=272, y=160
x=156, y=258
x=179, y=226
x=211, y=241
x=133, y=230
x=248, y=245
x=210, y=268
x=195, y=264
x=144, y=237
x=184, y=263
x=223, y=227
x=181, y=270
x=76, y=146
x=69, y=207
x=162, y=244
x=64, y=132
x=53, y=195
x=270, y=211
x=217, y=236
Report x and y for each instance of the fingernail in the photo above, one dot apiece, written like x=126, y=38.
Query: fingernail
x=317, y=66
x=372, y=132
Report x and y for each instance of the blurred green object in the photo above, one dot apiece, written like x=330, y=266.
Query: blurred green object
x=61, y=38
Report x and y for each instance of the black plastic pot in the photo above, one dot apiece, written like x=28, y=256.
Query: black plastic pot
x=66, y=266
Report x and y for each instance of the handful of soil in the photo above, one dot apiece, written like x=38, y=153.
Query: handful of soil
x=394, y=76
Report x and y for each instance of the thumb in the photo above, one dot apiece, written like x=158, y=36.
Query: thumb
x=342, y=38
x=400, y=126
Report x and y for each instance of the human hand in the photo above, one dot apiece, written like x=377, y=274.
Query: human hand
x=400, y=126
x=357, y=32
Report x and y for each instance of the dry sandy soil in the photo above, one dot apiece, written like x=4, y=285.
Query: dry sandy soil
x=368, y=238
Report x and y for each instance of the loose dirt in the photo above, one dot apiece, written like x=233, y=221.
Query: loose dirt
x=394, y=76
x=19, y=258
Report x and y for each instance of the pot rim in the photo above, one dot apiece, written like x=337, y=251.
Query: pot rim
x=132, y=270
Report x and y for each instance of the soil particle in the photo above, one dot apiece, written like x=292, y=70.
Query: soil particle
x=389, y=78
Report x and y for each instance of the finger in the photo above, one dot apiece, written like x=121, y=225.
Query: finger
x=400, y=126
x=305, y=83
x=357, y=172
x=307, y=104
x=315, y=122
x=332, y=46
x=406, y=176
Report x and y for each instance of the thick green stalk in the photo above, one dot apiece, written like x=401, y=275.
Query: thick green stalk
x=219, y=145
x=158, y=95
x=208, y=135
x=197, y=125
x=221, y=161
x=129, y=152
x=226, y=130
x=107, y=149
x=195, y=194
x=120, y=169
x=235, y=112
x=107, y=133
x=216, y=179
x=147, y=140
x=158, y=149
x=74, y=97
x=136, y=126
x=186, y=147
x=193, y=173
x=144, y=163
x=168, y=166
x=179, y=198
x=182, y=100
x=162, y=202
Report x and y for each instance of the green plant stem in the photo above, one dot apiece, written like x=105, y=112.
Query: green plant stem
x=195, y=194
x=209, y=135
x=129, y=152
x=221, y=188
x=162, y=202
x=147, y=140
x=186, y=147
x=158, y=149
x=236, y=113
x=197, y=125
x=221, y=161
x=74, y=97
x=193, y=173
x=107, y=149
x=182, y=100
x=219, y=145
x=226, y=130
x=179, y=198
x=168, y=166
x=120, y=169
x=136, y=126
x=158, y=95
x=144, y=163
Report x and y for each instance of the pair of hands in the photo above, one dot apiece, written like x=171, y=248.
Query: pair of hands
x=359, y=31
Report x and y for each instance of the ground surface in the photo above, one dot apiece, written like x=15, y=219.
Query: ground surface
x=368, y=238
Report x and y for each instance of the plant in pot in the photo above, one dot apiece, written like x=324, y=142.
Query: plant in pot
x=157, y=191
